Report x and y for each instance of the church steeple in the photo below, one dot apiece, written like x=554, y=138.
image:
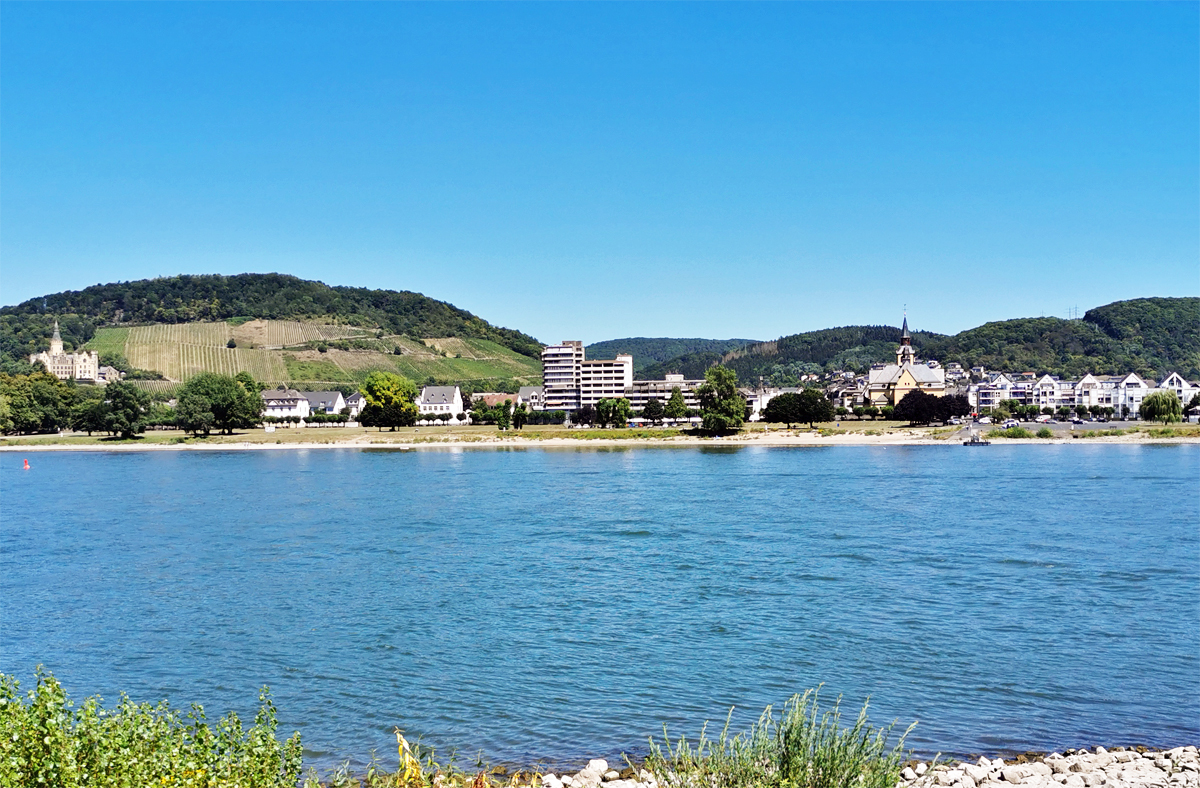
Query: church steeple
x=905, y=353
x=56, y=345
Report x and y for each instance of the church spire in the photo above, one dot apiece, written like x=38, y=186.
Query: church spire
x=56, y=344
x=905, y=353
x=905, y=338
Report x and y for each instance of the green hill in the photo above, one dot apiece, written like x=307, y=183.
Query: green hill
x=1150, y=336
x=648, y=351
x=285, y=329
x=25, y=328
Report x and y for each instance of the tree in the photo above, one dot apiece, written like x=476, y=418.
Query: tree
x=887, y=411
x=89, y=412
x=391, y=401
x=1162, y=406
x=585, y=415
x=676, y=407
x=815, y=406
x=613, y=412
x=859, y=411
x=721, y=406
x=783, y=409
x=210, y=401
x=654, y=410
x=232, y=343
x=1193, y=403
x=503, y=417
x=127, y=406
x=519, y=416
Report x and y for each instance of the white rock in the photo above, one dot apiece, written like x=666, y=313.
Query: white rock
x=1124, y=757
x=1100, y=750
x=984, y=762
x=599, y=766
x=1037, y=767
x=977, y=773
x=908, y=774
x=1092, y=778
x=551, y=781
x=921, y=769
x=1074, y=781
x=611, y=775
x=967, y=781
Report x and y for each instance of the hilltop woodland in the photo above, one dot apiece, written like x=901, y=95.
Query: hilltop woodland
x=26, y=327
x=1149, y=336
x=649, y=351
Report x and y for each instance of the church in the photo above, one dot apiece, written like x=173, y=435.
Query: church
x=888, y=383
x=68, y=366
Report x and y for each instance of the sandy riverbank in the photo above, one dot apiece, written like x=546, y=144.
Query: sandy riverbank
x=432, y=439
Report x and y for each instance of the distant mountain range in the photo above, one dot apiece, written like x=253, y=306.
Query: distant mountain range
x=1150, y=336
x=649, y=351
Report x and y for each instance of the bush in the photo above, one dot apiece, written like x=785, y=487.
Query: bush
x=45, y=741
x=803, y=748
x=1011, y=432
x=1045, y=432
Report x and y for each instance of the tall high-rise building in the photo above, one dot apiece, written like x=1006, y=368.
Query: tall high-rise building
x=570, y=381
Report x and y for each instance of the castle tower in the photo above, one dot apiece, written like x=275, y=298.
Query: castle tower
x=905, y=353
x=56, y=345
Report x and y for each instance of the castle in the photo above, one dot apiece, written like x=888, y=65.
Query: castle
x=66, y=366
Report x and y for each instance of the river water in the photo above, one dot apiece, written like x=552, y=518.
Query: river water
x=561, y=604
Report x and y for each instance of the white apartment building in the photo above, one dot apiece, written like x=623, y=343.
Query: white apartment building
x=562, y=366
x=642, y=391
x=1123, y=393
x=604, y=379
x=570, y=381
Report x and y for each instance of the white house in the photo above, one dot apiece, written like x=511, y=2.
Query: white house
x=436, y=400
x=356, y=402
x=284, y=403
x=532, y=397
x=325, y=401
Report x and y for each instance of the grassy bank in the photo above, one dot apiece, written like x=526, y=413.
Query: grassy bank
x=46, y=741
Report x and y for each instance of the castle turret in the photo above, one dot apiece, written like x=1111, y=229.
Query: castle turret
x=56, y=345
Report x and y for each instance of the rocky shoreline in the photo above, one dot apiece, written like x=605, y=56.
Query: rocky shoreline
x=1118, y=767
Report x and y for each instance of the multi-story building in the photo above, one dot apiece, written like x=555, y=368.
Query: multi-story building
x=68, y=366
x=1123, y=393
x=562, y=366
x=642, y=391
x=570, y=381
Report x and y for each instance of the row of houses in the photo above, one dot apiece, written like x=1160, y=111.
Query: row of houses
x=1123, y=393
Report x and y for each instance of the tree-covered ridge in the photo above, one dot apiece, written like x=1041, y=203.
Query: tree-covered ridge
x=25, y=328
x=647, y=351
x=1149, y=336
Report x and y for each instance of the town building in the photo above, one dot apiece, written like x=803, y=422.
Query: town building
x=888, y=383
x=570, y=381
x=436, y=400
x=1123, y=393
x=532, y=397
x=325, y=401
x=642, y=391
x=285, y=403
x=356, y=402
x=84, y=365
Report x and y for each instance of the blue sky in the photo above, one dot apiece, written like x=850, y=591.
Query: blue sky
x=595, y=171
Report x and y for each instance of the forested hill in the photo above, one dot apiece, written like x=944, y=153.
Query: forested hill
x=1150, y=336
x=26, y=328
x=647, y=351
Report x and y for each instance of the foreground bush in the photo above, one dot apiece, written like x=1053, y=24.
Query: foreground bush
x=46, y=742
x=803, y=748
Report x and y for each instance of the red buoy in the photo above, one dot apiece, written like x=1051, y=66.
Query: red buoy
x=27, y=465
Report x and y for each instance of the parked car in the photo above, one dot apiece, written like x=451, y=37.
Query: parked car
x=1077, y=420
x=1010, y=423
x=986, y=420
x=955, y=421
x=1043, y=419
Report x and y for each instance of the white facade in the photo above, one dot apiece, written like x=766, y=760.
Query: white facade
x=436, y=400
x=325, y=401
x=532, y=397
x=562, y=366
x=607, y=379
x=285, y=403
x=570, y=381
x=642, y=391
x=356, y=402
x=1123, y=393
x=84, y=365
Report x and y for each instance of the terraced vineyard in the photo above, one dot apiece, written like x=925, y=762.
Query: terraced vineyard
x=180, y=351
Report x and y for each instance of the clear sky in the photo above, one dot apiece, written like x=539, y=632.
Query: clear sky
x=593, y=171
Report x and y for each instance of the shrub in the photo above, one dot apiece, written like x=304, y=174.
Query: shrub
x=802, y=748
x=1045, y=432
x=45, y=741
x=1011, y=432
